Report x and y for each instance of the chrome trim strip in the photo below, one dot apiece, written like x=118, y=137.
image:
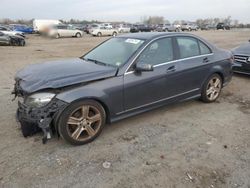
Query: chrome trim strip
x=174, y=61
x=158, y=101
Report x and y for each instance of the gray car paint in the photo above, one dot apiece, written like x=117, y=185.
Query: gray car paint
x=61, y=73
x=124, y=92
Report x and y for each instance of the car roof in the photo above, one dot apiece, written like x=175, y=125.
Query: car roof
x=153, y=35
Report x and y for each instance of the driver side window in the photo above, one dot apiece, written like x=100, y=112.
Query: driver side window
x=160, y=51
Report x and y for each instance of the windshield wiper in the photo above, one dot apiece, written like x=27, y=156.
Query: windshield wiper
x=97, y=62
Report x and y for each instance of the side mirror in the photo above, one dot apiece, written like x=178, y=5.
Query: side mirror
x=140, y=67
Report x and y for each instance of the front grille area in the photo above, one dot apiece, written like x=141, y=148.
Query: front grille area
x=242, y=59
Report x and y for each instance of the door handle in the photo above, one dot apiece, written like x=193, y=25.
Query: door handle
x=171, y=69
x=205, y=60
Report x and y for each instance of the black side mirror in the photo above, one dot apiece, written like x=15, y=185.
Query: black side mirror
x=140, y=67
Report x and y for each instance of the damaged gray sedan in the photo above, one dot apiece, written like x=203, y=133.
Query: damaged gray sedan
x=121, y=77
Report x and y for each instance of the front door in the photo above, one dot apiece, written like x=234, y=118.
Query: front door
x=145, y=88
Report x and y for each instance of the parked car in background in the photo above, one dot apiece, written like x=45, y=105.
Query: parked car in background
x=42, y=26
x=8, y=31
x=167, y=27
x=22, y=28
x=207, y=27
x=242, y=58
x=134, y=29
x=189, y=27
x=124, y=76
x=12, y=40
x=145, y=28
x=107, y=25
x=88, y=27
x=222, y=26
x=122, y=28
x=58, y=31
x=103, y=31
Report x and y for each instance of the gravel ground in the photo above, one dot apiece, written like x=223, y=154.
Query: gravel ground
x=189, y=144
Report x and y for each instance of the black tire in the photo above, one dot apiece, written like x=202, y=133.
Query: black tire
x=22, y=42
x=78, y=35
x=205, y=97
x=99, y=34
x=57, y=36
x=114, y=34
x=63, y=125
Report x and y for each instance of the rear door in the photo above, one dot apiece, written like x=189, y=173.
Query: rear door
x=195, y=58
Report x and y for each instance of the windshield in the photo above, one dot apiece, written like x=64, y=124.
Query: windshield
x=114, y=52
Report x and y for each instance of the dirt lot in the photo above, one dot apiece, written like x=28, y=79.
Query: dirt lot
x=191, y=144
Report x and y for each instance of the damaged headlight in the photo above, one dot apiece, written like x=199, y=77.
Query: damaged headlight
x=39, y=99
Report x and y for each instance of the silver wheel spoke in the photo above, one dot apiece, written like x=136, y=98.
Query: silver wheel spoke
x=209, y=91
x=77, y=133
x=90, y=130
x=95, y=118
x=73, y=121
x=85, y=111
x=216, y=83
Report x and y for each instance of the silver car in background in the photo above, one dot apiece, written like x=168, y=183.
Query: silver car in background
x=58, y=31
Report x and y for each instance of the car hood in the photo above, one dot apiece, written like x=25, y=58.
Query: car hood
x=57, y=74
x=243, y=49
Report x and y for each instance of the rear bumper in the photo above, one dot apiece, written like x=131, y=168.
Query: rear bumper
x=33, y=120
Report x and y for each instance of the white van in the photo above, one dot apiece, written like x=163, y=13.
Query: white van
x=42, y=26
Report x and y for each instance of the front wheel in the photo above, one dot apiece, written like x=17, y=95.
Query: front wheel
x=114, y=34
x=81, y=122
x=211, y=89
x=78, y=35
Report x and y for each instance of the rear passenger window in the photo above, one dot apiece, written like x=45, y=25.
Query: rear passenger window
x=188, y=47
x=204, y=49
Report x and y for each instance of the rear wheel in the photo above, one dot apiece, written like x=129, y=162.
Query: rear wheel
x=22, y=42
x=211, y=89
x=114, y=34
x=82, y=122
x=99, y=34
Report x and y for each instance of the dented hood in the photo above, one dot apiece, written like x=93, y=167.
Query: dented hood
x=57, y=74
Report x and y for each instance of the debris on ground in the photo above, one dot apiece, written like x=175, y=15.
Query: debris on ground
x=106, y=164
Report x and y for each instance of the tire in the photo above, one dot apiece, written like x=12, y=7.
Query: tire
x=99, y=34
x=211, y=89
x=81, y=122
x=22, y=43
x=57, y=36
x=114, y=34
x=78, y=35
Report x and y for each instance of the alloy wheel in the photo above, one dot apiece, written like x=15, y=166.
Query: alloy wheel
x=213, y=88
x=84, y=123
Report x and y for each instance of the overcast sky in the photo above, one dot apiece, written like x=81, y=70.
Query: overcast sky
x=125, y=10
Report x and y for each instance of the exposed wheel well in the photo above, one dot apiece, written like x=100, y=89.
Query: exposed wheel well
x=221, y=75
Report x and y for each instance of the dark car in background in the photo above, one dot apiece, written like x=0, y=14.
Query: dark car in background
x=124, y=76
x=12, y=40
x=242, y=58
x=222, y=26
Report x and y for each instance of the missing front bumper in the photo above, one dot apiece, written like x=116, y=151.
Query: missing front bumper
x=33, y=120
